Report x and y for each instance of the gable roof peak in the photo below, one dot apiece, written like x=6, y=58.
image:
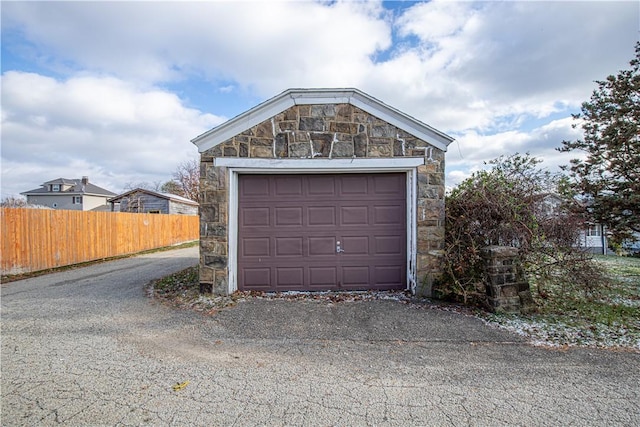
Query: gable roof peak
x=318, y=96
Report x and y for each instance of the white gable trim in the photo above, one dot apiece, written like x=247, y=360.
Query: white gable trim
x=304, y=165
x=291, y=97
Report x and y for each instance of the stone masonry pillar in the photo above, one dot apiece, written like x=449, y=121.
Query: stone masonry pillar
x=507, y=290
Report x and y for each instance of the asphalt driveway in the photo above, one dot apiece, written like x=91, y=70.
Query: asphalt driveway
x=87, y=347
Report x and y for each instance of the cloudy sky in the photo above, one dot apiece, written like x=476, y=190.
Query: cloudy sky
x=116, y=90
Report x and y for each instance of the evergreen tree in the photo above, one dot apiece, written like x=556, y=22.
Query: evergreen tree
x=609, y=176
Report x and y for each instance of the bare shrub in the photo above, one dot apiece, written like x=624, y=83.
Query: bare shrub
x=514, y=204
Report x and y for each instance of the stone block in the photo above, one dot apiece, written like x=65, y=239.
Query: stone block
x=343, y=112
x=360, y=116
x=495, y=252
x=207, y=274
x=262, y=152
x=208, y=229
x=290, y=114
x=299, y=150
x=303, y=110
x=220, y=284
x=429, y=210
x=312, y=124
x=398, y=149
x=213, y=197
x=428, y=191
x=282, y=145
x=360, y=143
x=210, y=213
x=527, y=304
x=343, y=127
x=213, y=246
x=326, y=110
x=230, y=151
x=508, y=291
x=342, y=149
x=214, y=151
x=287, y=126
x=215, y=261
x=436, y=179
x=322, y=143
x=243, y=149
x=264, y=130
x=379, y=150
x=383, y=131
x=299, y=137
x=428, y=168
x=261, y=142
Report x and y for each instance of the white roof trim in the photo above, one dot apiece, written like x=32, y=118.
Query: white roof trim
x=291, y=97
x=380, y=164
x=168, y=196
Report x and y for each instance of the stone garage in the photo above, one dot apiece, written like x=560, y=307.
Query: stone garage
x=321, y=189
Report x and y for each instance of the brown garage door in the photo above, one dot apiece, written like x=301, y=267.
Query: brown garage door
x=322, y=232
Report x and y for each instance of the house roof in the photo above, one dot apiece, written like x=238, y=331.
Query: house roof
x=167, y=196
x=291, y=97
x=78, y=188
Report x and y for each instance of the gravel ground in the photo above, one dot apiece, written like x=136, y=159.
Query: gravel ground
x=88, y=347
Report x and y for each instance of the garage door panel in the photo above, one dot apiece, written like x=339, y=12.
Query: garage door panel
x=321, y=216
x=254, y=186
x=355, y=245
x=322, y=245
x=354, y=215
x=388, y=215
x=388, y=185
x=286, y=185
x=323, y=278
x=288, y=246
x=289, y=277
x=353, y=185
x=389, y=245
x=322, y=185
x=387, y=275
x=288, y=216
x=254, y=217
x=355, y=275
x=256, y=278
x=255, y=247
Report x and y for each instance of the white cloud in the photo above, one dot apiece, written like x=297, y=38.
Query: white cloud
x=102, y=127
x=471, y=150
x=484, y=65
x=265, y=46
x=481, y=71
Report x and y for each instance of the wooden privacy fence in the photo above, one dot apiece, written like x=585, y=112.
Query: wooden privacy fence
x=39, y=239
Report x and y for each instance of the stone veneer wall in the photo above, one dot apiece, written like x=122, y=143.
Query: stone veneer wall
x=320, y=132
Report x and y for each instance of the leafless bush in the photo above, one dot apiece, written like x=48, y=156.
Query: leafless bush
x=513, y=204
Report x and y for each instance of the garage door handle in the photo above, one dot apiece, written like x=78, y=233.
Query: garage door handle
x=338, y=248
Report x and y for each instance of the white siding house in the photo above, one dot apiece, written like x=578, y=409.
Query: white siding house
x=70, y=194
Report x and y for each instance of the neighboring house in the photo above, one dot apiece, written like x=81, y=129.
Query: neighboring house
x=146, y=201
x=70, y=194
x=321, y=189
x=593, y=238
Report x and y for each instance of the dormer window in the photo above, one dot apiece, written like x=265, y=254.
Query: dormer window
x=55, y=187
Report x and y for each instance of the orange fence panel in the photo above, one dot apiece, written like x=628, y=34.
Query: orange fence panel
x=39, y=239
